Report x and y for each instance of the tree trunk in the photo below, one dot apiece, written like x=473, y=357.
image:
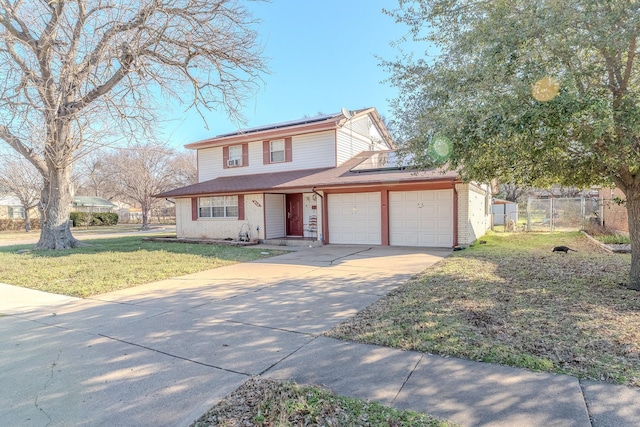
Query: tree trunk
x=145, y=216
x=55, y=206
x=27, y=220
x=633, y=211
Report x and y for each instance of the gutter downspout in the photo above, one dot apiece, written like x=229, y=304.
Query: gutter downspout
x=324, y=217
x=455, y=215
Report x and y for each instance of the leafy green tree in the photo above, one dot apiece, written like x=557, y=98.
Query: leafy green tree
x=531, y=92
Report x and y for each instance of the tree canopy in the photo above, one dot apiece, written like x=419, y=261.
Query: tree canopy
x=531, y=92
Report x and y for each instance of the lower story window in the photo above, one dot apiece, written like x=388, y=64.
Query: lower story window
x=218, y=207
x=16, y=212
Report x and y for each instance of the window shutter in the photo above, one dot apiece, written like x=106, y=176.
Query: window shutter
x=225, y=157
x=241, y=207
x=288, y=150
x=194, y=209
x=245, y=154
x=266, y=153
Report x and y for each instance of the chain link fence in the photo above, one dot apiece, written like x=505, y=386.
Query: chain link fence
x=552, y=214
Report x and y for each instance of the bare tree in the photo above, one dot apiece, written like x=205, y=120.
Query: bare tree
x=512, y=192
x=79, y=74
x=186, y=168
x=94, y=177
x=141, y=171
x=569, y=192
x=19, y=178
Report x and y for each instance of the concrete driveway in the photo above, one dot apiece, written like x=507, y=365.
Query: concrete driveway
x=163, y=353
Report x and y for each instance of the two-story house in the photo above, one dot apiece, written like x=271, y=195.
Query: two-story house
x=333, y=179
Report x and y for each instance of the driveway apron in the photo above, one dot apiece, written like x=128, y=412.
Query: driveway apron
x=163, y=353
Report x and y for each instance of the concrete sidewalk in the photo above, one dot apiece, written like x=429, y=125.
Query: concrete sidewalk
x=163, y=353
x=469, y=393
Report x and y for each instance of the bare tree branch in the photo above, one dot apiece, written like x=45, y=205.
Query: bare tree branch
x=79, y=75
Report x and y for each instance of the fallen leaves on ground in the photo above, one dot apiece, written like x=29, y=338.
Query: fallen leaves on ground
x=262, y=402
x=512, y=301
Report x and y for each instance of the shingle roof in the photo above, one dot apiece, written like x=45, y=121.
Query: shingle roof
x=10, y=201
x=243, y=183
x=340, y=176
x=319, y=123
x=289, y=123
x=92, y=201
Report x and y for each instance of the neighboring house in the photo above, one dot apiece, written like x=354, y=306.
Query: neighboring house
x=557, y=191
x=11, y=208
x=91, y=204
x=504, y=211
x=163, y=210
x=332, y=178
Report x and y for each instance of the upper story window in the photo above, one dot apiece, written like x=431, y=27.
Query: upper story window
x=218, y=207
x=276, y=151
x=235, y=155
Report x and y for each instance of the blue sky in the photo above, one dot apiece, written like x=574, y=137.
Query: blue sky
x=322, y=56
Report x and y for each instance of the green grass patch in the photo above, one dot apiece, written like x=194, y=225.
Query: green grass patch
x=261, y=402
x=614, y=239
x=514, y=302
x=109, y=264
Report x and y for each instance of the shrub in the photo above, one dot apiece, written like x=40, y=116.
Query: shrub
x=81, y=219
x=104, y=218
x=18, y=224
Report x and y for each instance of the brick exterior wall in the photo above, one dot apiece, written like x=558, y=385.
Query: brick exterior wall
x=474, y=218
x=614, y=215
x=221, y=228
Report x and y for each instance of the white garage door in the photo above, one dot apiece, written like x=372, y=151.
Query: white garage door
x=354, y=218
x=421, y=218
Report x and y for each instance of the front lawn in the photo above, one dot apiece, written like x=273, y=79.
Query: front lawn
x=106, y=265
x=512, y=301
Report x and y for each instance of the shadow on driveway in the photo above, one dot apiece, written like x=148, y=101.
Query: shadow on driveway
x=163, y=353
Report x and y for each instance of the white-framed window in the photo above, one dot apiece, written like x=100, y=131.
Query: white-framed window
x=235, y=156
x=276, y=151
x=218, y=207
x=16, y=212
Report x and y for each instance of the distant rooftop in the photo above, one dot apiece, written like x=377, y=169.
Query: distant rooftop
x=92, y=201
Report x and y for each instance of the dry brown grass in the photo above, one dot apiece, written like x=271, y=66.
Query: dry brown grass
x=512, y=301
x=261, y=402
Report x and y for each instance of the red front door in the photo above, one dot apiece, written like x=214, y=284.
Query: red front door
x=294, y=215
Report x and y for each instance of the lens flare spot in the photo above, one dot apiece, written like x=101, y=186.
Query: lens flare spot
x=545, y=89
x=441, y=148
